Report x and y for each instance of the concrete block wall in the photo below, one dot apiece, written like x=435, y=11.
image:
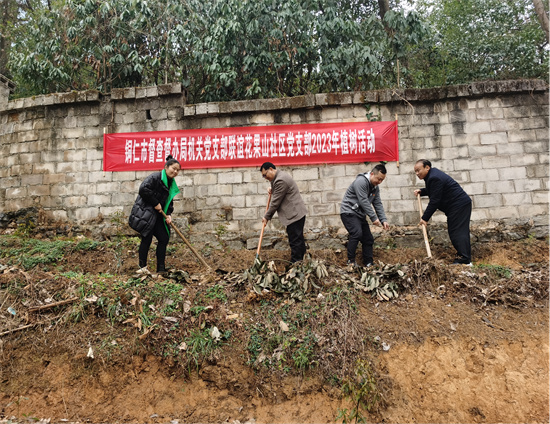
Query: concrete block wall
x=492, y=137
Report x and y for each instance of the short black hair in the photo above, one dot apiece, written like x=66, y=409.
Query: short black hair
x=424, y=162
x=379, y=168
x=266, y=165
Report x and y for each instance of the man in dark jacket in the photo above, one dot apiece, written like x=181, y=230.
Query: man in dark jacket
x=447, y=196
x=362, y=198
x=287, y=201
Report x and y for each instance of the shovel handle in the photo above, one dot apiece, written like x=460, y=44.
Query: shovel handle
x=424, y=231
x=199, y=257
x=263, y=228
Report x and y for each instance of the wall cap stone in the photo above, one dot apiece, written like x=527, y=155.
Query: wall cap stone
x=299, y=102
x=51, y=99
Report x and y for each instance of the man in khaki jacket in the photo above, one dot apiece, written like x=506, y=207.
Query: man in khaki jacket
x=287, y=201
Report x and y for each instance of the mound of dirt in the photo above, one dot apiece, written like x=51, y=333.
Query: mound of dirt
x=84, y=339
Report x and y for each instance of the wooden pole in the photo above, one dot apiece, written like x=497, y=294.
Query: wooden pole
x=398, y=141
x=199, y=257
x=263, y=228
x=424, y=231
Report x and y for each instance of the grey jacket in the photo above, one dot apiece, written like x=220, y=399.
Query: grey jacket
x=286, y=199
x=362, y=198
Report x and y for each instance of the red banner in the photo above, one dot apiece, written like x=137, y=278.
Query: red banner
x=346, y=142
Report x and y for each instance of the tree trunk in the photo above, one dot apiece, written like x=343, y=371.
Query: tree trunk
x=384, y=7
x=4, y=43
x=543, y=17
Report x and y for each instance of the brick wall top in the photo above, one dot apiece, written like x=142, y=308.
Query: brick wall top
x=298, y=102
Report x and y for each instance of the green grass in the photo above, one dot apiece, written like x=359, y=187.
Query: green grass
x=497, y=270
x=29, y=253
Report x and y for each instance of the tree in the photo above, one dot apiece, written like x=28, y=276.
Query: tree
x=13, y=17
x=243, y=49
x=480, y=39
x=543, y=18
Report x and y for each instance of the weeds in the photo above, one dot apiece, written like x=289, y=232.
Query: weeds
x=304, y=354
x=498, y=270
x=216, y=292
x=370, y=114
x=363, y=393
x=201, y=345
x=30, y=253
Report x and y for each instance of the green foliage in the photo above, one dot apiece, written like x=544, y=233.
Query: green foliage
x=225, y=50
x=216, y=292
x=221, y=229
x=200, y=345
x=477, y=40
x=29, y=253
x=220, y=50
x=362, y=390
x=25, y=229
x=305, y=352
x=370, y=114
x=87, y=244
x=294, y=347
x=497, y=270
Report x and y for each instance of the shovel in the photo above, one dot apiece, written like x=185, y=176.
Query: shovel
x=262, y=233
x=199, y=257
x=424, y=231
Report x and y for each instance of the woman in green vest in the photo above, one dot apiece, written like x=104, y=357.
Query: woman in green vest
x=156, y=194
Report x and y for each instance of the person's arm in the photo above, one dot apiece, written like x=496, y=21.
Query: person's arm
x=148, y=193
x=379, y=209
x=436, y=195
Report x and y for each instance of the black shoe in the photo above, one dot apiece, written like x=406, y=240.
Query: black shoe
x=462, y=261
x=368, y=264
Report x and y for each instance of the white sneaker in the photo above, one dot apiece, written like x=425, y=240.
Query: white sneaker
x=143, y=271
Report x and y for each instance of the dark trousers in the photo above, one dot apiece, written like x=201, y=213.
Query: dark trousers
x=359, y=231
x=295, y=232
x=458, y=226
x=162, y=236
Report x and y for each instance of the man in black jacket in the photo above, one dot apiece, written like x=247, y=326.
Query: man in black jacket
x=446, y=195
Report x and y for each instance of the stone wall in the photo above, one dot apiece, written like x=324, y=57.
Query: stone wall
x=492, y=137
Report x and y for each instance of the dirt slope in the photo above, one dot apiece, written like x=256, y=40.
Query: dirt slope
x=458, y=345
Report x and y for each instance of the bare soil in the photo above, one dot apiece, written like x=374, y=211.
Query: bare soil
x=459, y=344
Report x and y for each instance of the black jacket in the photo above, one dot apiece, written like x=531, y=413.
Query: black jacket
x=152, y=191
x=444, y=192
